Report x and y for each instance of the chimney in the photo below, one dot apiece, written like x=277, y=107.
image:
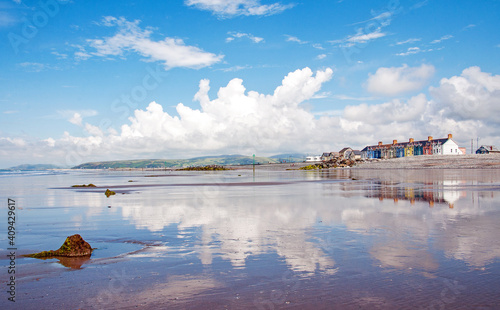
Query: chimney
x=450, y=136
x=380, y=143
x=411, y=140
x=394, y=142
x=429, y=138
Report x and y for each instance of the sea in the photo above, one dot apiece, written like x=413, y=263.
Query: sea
x=239, y=239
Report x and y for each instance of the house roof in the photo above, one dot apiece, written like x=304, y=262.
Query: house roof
x=344, y=150
x=489, y=148
x=327, y=154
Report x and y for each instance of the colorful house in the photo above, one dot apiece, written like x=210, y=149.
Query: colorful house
x=427, y=147
x=445, y=146
x=367, y=153
x=409, y=148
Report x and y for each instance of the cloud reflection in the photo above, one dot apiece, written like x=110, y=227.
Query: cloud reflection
x=411, y=218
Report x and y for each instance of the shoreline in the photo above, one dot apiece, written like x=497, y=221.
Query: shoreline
x=469, y=161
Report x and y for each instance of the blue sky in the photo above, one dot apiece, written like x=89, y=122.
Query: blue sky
x=104, y=80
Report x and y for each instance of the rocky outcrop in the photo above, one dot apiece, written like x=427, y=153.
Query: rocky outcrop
x=73, y=246
x=205, y=168
x=332, y=163
x=83, y=185
x=109, y=193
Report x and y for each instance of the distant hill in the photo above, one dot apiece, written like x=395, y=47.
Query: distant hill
x=179, y=163
x=28, y=167
x=292, y=157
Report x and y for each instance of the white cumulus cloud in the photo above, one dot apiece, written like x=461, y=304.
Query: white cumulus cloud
x=237, y=120
x=474, y=95
x=234, y=118
x=398, y=80
x=392, y=111
x=131, y=38
x=76, y=119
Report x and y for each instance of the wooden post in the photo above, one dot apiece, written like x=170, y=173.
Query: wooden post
x=254, y=167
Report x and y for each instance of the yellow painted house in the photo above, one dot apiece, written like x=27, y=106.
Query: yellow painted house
x=409, y=148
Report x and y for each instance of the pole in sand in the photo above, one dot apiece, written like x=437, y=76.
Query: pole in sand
x=254, y=167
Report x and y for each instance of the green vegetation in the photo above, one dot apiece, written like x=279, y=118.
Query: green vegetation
x=83, y=185
x=109, y=193
x=311, y=167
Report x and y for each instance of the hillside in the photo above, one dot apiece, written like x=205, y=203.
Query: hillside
x=29, y=167
x=224, y=160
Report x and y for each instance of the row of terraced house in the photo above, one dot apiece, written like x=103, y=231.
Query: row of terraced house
x=445, y=146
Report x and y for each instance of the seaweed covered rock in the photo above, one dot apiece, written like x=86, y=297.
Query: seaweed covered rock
x=83, y=185
x=311, y=167
x=73, y=246
x=205, y=168
x=109, y=193
x=332, y=163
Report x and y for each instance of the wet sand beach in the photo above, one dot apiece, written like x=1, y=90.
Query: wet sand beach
x=279, y=239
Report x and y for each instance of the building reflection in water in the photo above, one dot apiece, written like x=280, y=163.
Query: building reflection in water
x=430, y=193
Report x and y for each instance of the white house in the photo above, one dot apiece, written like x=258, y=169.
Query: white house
x=313, y=158
x=450, y=147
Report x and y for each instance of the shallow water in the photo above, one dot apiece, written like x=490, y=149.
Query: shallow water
x=336, y=239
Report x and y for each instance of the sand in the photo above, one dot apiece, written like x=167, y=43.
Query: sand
x=344, y=238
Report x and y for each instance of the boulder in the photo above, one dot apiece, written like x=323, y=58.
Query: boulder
x=73, y=246
x=109, y=193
